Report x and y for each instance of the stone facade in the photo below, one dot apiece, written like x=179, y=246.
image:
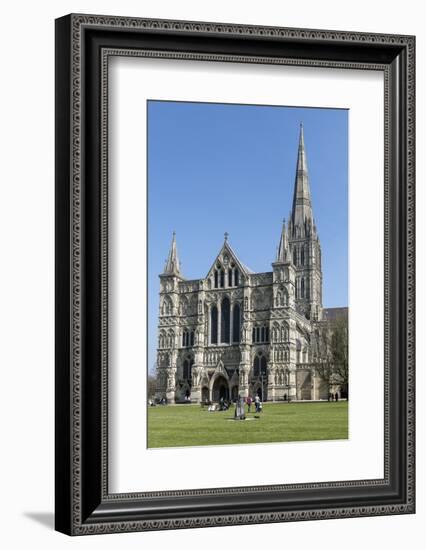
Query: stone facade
x=236, y=332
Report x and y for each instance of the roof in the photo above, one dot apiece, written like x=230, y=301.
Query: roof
x=226, y=247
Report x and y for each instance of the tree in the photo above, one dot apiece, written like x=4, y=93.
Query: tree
x=151, y=384
x=331, y=357
x=340, y=353
x=323, y=363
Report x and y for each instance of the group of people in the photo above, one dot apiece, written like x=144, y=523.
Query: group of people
x=257, y=403
x=333, y=396
x=154, y=402
x=224, y=404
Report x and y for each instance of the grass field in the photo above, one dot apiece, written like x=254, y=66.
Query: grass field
x=191, y=425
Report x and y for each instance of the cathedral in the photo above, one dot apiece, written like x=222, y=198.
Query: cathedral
x=238, y=333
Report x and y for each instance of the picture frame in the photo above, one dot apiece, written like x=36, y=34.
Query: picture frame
x=83, y=503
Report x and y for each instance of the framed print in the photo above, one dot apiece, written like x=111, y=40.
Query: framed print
x=234, y=274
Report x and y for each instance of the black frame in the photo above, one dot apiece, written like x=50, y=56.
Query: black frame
x=83, y=44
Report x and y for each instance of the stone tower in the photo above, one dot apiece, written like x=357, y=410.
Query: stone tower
x=282, y=368
x=304, y=242
x=168, y=324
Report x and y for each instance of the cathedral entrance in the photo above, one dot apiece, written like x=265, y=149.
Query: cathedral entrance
x=220, y=389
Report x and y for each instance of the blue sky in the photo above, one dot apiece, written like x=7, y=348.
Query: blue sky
x=219, y=167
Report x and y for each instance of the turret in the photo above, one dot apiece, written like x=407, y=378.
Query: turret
x=172, y=266
x=283, y=273
x=168, y=325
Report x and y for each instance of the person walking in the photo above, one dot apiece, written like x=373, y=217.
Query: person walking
x=256, y=403
x=249, y=402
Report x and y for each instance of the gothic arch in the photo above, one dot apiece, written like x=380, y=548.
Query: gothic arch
x=285, y=297
x=170, y=338
x=275, y=332
x=260, y=365
x=219, y=371
x=187, y=364
x=285, y=332
x=219, y=384
x=183, y=306
x=236, y=323
x=225, y=321
x=167, y=306
x=214, y=324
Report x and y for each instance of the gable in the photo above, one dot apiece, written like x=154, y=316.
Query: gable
x=227, y=259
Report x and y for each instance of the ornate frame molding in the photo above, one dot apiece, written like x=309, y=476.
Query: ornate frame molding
x=83, y=504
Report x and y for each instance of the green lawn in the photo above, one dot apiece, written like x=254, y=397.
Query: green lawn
x=191, y=425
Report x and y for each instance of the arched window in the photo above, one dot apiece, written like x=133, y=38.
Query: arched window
x=276, y=334
x=187, y=369
x=298, y=350
x=295, y=256
x=279, y=299
x=302, y=288
x=256, y=366
x=216, y=279
x=285, y=297
x=302, y=256
x=170, y=339
x=225, y=321
x=167, y=306
x=222, y=278
x=236, y=277
x=262, y=334
x=253, y=335
x=229, y=277
x=192, y=338
x=263, y=365
x=213, y=325
x=236, y=320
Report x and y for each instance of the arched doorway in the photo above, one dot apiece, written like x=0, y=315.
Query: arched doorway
x=220, y=389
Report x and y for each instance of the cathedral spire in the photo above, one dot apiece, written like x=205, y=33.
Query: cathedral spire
x=302, y=207
x=283, y=253
x=172, y=266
